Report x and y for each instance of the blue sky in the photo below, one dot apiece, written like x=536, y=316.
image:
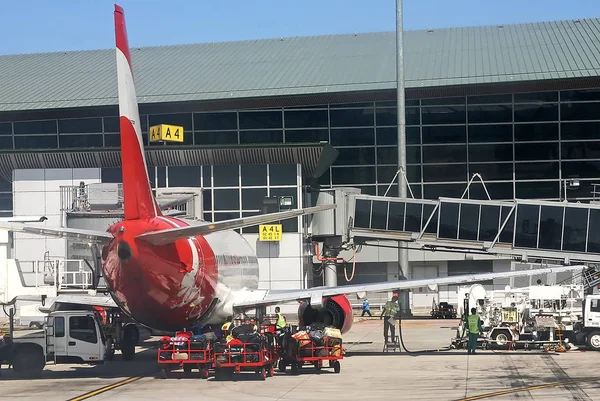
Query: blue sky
x=60, y=25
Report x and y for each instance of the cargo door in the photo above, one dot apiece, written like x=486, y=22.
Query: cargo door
x=83, y=338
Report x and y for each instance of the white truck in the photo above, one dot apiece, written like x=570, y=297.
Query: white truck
x=534, y=316
x=68, y=337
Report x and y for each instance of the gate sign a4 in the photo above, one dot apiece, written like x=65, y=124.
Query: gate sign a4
x=166, y=133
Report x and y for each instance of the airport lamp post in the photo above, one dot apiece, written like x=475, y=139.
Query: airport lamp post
x=401, y=122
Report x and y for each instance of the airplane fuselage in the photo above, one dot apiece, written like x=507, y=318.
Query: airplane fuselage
x=171, y=286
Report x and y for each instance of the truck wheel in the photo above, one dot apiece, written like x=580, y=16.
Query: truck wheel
x=593, y=340
x=501, y=340
x=28, y=362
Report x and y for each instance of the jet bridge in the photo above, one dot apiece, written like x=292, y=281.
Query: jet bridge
x=525, y=229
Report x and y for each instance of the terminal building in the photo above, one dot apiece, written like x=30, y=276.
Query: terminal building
x=285, y=117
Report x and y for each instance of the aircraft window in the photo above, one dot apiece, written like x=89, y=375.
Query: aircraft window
x=83, y=328
x=59, y=327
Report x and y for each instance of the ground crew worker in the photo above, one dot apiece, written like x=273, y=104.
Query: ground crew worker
x=474, y=328
x=366, y=308
x=253, y=323
x=280, y=319
x=225, y=328
x=390, y=312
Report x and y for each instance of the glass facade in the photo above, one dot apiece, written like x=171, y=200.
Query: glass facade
x=524, y=145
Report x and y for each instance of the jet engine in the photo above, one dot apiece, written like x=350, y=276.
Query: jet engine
x=336, y=311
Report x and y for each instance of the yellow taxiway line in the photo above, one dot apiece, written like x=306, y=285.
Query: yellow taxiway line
x=105, y=389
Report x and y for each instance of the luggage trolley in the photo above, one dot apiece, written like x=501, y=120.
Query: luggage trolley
x=186, y=354
x=307, y=352
x=233, y=359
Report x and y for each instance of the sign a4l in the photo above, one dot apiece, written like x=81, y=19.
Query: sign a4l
x=269, y=232
x=166, y=133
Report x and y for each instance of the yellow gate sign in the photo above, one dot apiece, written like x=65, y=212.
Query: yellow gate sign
x=269, y=232
x=166, y=133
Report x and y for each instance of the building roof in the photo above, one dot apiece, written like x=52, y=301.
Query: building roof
x=315, y=158
x=305, y=65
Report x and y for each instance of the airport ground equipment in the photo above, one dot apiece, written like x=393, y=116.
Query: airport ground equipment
x=186, y=353
x=78, y=336
x=310, y=350
x=443, y=310
x=538, y=316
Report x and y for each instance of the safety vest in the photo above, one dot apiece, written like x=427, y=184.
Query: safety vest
x=280, y=320
x=391, y=309
x=473, y=324
x=225, y=326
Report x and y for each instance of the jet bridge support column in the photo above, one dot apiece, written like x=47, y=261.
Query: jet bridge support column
x=330, y=268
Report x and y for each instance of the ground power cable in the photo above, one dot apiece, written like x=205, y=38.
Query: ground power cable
x=448, y=348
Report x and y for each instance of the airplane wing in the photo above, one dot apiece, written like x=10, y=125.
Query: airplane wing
x=171, y=235
x=75, y=233
x=316, y=294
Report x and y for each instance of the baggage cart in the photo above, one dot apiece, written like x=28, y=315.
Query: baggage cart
x=307, y=352
x=233, y=359
x=184, y=354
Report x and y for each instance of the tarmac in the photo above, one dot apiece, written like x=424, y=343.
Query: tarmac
x=367, y=373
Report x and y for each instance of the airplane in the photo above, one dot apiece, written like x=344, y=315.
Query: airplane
x=168, y=274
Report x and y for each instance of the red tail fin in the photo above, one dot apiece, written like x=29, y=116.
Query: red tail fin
x=138, y=200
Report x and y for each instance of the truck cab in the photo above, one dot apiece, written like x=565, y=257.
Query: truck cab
x=591, y=321
x=68, y=337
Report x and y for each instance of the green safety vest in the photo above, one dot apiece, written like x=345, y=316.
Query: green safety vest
x=473, y=324
x=280, y=320
x=391, y=308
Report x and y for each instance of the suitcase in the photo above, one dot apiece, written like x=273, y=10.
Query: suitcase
x=332, y=332
x=251, y=338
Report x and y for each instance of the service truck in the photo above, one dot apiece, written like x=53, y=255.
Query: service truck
x=77, y=336
x=535, y=316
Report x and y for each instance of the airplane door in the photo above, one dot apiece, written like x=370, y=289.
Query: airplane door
x=59, y=339
x=83, y=339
